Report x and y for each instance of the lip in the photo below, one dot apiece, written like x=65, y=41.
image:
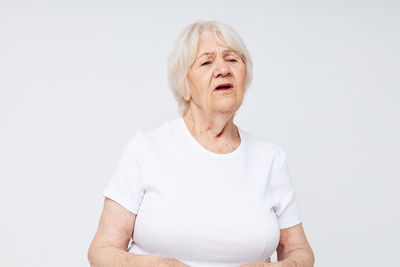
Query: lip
x=224, y=84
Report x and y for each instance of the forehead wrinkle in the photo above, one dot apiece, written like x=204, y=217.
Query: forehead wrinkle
x=224, y=52
x=230, y=51
x=206, y=54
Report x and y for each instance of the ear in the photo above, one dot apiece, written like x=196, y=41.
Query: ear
x=186, y=91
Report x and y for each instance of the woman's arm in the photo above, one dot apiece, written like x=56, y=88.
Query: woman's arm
x=109, y=245
x=293, y=250
x=293, y=245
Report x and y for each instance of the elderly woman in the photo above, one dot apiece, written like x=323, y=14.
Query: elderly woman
x=199, y=190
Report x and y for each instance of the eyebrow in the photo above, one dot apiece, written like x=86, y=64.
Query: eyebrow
x=226, y=51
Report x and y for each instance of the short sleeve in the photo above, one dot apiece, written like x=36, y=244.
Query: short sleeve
x=126, y=186
x=285, y=205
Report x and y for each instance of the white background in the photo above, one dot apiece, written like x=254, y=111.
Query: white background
x=79, y=78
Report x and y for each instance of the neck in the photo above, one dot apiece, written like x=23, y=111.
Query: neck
x=216, y=131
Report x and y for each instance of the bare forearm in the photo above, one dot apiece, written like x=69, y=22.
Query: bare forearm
x=108, y=256
x=302, y=257
x=299, y=258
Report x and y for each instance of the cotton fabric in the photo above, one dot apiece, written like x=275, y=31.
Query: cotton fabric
x=200, y=207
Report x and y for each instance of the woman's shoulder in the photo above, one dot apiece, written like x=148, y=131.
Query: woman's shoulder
x=256, y=143
x=146, y=139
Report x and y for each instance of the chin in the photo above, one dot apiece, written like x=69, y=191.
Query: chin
x=227, y=105
x=226, y=108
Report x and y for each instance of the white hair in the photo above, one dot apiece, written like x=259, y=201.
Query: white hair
x=184, y=54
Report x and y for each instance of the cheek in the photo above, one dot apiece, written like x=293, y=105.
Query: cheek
x=199, y=83
x=203, y=79
x=241, y=74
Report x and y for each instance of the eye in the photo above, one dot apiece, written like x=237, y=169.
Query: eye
x=232, y=60
x=205, y=63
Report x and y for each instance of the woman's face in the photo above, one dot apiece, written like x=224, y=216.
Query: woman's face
x=215, y=65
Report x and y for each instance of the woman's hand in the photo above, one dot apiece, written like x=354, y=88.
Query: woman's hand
x=267, y=264
x=157, y=261
x=171, y=262
x=263, y=264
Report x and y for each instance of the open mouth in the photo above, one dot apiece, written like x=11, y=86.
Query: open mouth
x=223, y=87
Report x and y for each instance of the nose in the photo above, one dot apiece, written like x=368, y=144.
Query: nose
x=221, y=68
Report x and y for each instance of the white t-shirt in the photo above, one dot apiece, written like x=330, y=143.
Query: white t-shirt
x=200, y=207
